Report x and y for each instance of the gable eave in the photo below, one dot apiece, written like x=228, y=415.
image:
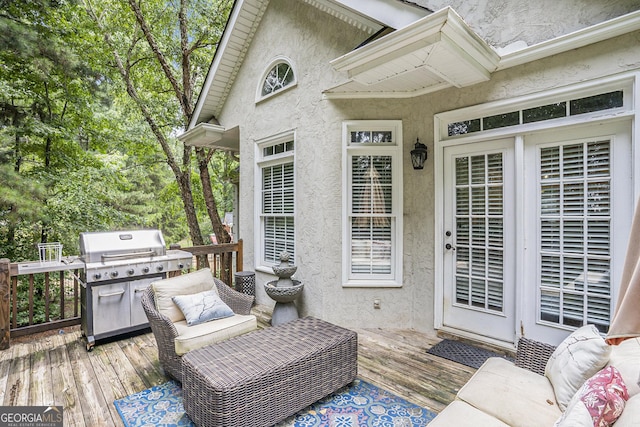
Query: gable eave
x=244, y=20
x=241, y=27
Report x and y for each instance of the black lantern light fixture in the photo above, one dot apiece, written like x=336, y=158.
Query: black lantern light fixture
x=419, y=155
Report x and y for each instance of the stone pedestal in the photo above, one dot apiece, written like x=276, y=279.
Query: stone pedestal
x=285, y=309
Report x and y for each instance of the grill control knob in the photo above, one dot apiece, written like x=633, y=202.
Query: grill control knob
x=159, y=268
x=114, y=274
x=97, y=276
x=145, y=269
x=131, y=272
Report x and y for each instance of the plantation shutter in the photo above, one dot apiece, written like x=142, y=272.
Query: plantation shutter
x=371, y=214
x=277, y=210
x=479, y=217
x=575, y=234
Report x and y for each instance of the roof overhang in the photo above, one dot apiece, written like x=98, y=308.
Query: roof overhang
x=212, y=136
x=433, y=53
x=442, y=51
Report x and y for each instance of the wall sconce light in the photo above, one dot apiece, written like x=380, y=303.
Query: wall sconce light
x=419, y=155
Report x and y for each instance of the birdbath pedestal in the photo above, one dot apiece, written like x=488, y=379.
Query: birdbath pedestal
x=284, y=291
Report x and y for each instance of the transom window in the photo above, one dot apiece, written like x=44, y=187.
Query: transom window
x=279, y=76
x=373, y=199
x=572, y=107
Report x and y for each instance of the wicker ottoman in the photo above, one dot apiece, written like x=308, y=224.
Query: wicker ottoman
x=262, y=377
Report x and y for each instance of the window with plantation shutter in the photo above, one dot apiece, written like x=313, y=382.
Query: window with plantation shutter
x=373, y=200
x=277, y=200
x=479, y=218
x=575, y=234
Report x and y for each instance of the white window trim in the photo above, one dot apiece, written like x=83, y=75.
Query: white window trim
x=261, y=161
x=626, y=81
x=275, y=61
x=395, y=151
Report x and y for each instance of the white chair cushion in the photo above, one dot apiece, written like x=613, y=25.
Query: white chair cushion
x=576, y=359
x=515, y=396
x=461, y=414
x=626, y=358
x=193, y=337
x=186, y=284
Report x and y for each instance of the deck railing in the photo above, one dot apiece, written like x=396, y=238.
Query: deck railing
x=52, y=290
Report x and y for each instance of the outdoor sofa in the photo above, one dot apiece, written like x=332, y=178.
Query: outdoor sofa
x=582, y=382
x=171, y=329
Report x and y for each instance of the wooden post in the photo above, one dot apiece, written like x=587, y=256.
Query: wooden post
x=239, y=256
x=5, y=314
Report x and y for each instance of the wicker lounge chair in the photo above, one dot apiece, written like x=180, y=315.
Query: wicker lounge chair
x=166, y=333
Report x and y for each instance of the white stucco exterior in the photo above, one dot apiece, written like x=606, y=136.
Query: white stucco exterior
x=310, y=39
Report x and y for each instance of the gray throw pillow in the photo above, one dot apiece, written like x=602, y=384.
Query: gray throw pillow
x=202, y=307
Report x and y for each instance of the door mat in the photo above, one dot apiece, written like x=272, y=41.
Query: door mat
x=463, y=353
x=359, y=404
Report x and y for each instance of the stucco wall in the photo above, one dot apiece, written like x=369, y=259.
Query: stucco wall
x=502, y=22
x=311, y=38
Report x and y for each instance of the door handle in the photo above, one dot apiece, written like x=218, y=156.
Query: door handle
x=449, y=247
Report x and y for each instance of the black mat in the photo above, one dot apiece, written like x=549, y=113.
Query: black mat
x=463, y=353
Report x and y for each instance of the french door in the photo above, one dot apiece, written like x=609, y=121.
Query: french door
x=479, y=240
x=577, y=227
x=536, y=249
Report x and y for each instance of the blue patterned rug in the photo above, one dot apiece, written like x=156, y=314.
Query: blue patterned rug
x=360, y=405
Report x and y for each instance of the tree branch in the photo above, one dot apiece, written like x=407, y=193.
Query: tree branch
x=164, y=64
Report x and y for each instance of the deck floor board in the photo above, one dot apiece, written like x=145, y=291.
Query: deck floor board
x=56, y=369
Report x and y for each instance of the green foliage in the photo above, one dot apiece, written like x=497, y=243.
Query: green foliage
x=76, y=153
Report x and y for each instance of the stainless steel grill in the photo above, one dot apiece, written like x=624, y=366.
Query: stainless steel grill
x=119, y=265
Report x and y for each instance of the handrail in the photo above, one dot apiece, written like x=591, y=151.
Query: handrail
x=223, y=259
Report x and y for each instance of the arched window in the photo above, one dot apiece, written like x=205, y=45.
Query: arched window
x=279, y=76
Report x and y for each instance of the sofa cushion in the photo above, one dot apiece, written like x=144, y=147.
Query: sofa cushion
x=631, y=415
x=461, y=414
x=576, y=359
x=626, y=358
x=516, y=396
x=202, y=307
x=599, y=402
x=185, y=284
x=193, y=337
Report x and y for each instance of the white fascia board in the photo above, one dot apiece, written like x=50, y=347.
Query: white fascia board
x=360, y=91
x=389, y=13
x=605, y=30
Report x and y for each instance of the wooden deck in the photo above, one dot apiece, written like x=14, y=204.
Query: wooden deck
x=56, y=369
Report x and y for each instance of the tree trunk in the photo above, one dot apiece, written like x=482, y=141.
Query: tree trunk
x=212, y=209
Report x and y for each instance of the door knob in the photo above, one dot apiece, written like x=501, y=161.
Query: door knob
x=449, y=247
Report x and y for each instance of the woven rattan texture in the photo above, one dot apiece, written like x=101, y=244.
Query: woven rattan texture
x=246, y=282
x=165, y=333
x=533, y=355
x=260, y=378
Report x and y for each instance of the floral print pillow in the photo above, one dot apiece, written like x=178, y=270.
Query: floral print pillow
x=599, y=402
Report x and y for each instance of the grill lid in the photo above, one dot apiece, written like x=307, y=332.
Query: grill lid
x=104, y=246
